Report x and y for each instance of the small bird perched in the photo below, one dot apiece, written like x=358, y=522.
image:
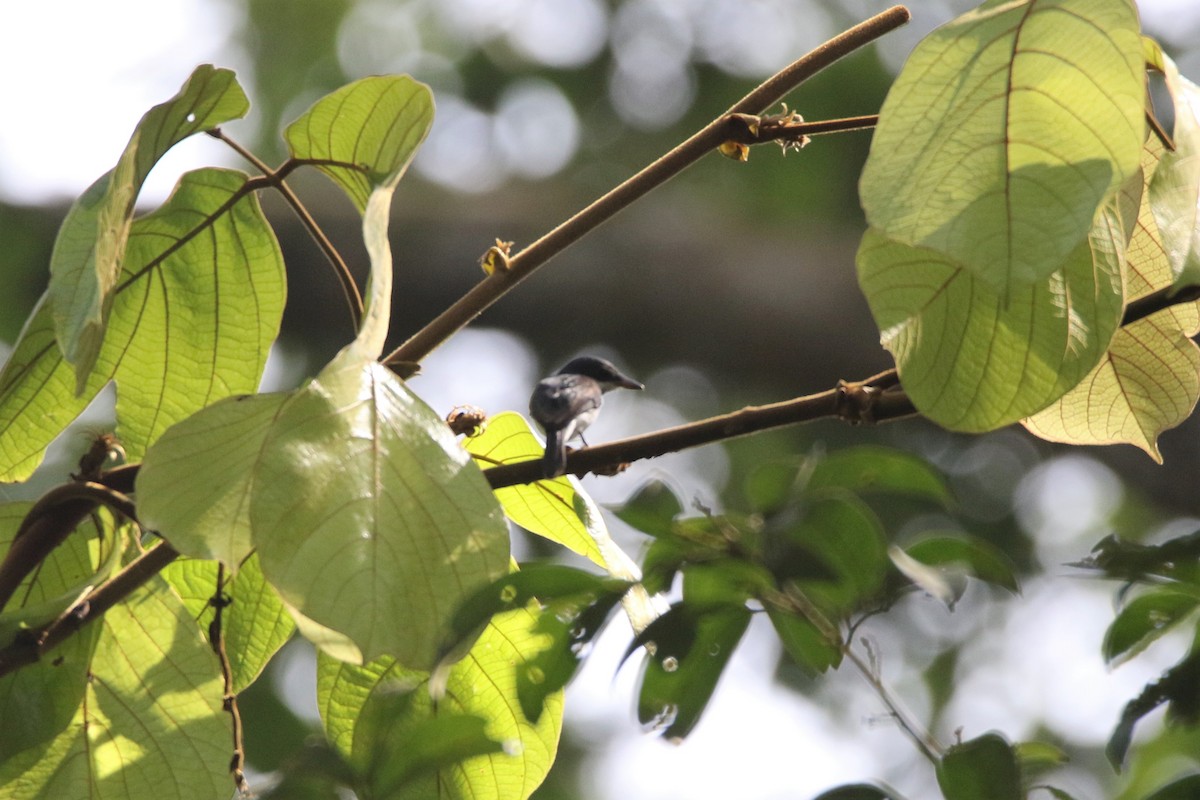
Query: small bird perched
x=568, y=401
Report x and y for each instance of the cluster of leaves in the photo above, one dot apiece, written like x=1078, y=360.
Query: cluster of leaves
x=1017, y=205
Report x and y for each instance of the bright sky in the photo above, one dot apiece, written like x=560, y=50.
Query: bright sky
x=78, y=76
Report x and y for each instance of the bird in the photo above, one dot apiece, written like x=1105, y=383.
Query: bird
x=568, y=401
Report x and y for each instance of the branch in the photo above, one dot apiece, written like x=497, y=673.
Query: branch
x=523, y=264
x=47, y=525
x=29, y=649
x=874, y=400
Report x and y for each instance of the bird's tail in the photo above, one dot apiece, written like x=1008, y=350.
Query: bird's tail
x=554, y=462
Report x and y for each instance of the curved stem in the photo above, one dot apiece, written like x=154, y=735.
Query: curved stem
x=349, y=288
x=524, y=263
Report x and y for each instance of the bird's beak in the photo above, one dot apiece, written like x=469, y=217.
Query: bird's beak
x=628, y=383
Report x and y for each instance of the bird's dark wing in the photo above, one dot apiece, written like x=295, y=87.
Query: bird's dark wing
x=561, y=398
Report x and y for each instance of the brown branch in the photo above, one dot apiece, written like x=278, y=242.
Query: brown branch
x=349, y=288
x=523, y=264
x=30, y=647
x=874, y=400
x=48, y=524
x=216, y=640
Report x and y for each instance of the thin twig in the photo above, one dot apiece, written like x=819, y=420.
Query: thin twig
x=523, y=264
x=923, y=739
x=48, y=524
x=216, y=640
x=349, y=288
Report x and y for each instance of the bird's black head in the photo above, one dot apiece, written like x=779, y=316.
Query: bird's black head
x=601, y=371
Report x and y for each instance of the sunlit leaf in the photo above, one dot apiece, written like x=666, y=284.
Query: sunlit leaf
x=151, y=723
x=193, y=318
x=1004, y=133
x=371, y=128
x=254, y=623
x=1175, y=190
x=1144, y=619
x=194, y=486
x=946, y=584
x=86, y=266
x=973, y=359
x=985, y=768
x=367, y=515
x=1149, y=380
x=483, y=684
x=546, y=508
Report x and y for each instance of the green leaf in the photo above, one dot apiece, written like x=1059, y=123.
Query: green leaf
x=195, y=484
x=858, y=791
x=392, y=757
x=547, y=508
x=180, y=336
x=973, y=359
x=367, y=515
x=1175, y=189
x=981, y=769
x=483, y=684
x=1004, y=133
x=1149, y=380
x=371, y=128
x=686, y=653
x=652, y=509
x=1036, y=756
x=846, y=540
x=879, y=469
x=39, y=700
x=1182, y=789
x=812, y=650
x=982, y=558
x=86, y=265
x=1144, y=619
x=151, y=723
x=254, y=622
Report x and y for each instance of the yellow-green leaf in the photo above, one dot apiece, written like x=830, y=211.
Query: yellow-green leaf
x=1149, y=380
x=364, y=134
x=483, y=684
x=1005, y=132
x=85, y=266
x=151, y=722
x=973, y=359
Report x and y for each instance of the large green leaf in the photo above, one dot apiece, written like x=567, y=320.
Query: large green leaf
x=151, y=722
x=198, y=305
x=367, y=515
x=1144, y=619
x=973, y=359
x=254, y=622
x=1005, y=132
x=484, y=684
x=85, y=267
x=370, y=128
x=1149, y=379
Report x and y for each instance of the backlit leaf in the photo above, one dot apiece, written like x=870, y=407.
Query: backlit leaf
x=1004, y=133
x=86, y=265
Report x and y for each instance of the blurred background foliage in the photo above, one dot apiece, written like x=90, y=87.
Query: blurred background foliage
x=734, y=284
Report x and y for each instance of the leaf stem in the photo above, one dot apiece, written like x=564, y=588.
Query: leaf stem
x=349, y=288
x=216, y=640
x=523, y=264
x=923, y=739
